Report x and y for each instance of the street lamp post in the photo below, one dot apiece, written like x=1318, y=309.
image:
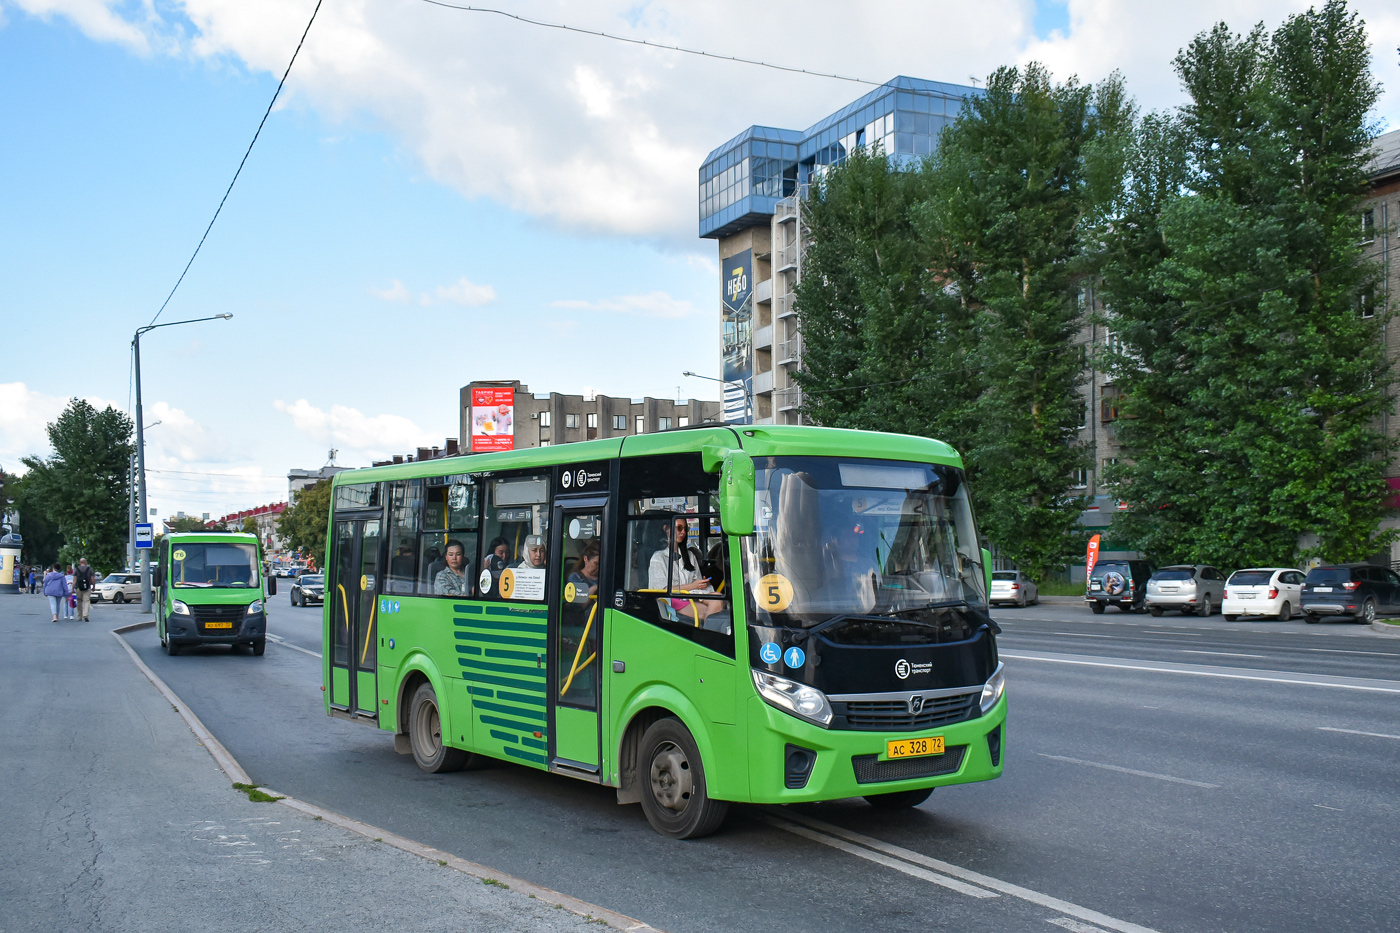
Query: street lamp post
x=141, y=447
x=743, y=386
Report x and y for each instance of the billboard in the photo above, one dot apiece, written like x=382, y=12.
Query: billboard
x=736, y=327
x=493, y=419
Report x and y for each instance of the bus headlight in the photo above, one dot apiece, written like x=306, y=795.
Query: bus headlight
x=255, y=607
x=994, y=688
x=799, y=699
x=178, y=608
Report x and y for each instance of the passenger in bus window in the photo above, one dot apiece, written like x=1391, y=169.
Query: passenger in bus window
x=497, y=554
x=534, y=554
x=453, y=580
x=584, y=574
x=682, y=563
x=402, y=563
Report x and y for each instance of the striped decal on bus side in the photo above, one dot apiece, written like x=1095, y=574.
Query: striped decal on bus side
x=500, y=649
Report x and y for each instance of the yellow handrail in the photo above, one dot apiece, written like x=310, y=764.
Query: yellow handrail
x=579, y=653
x=370, y=630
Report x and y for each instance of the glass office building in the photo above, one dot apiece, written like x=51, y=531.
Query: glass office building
x=750, y=202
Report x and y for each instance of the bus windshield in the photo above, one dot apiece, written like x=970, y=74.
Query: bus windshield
x=840, y=537
x=213, y=565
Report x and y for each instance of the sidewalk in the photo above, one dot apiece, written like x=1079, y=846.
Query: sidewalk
x=115, y=818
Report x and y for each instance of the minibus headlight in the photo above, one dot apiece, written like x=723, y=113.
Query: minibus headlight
x=178, y=608
x=994, y=688
x=255, y=607
x=799, y=699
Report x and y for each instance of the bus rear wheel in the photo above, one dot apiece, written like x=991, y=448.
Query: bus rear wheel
x=672, y=778
x=425, y=734
x=899, y=800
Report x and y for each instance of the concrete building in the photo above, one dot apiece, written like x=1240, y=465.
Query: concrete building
x=298, y=480
x=266, y=518
x=544, y=419
x=1380, y=217
x=750, y=204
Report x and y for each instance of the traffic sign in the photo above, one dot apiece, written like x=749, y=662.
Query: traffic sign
x=145, y=535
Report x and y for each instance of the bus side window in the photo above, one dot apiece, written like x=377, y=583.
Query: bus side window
x=447, y=548
x=406, y=496
x=515, y=519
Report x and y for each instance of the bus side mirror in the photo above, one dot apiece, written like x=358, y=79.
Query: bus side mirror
x=272, y=585
x=158, y=576
x=987, y=570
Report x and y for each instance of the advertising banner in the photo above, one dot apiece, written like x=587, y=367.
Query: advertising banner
x=737, y=331
x=1092, y=557
x=493, y=419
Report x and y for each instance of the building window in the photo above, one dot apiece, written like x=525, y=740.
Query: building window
x=1108, y=464
x=1368, y=226
x=1081, y=479
x=663, y=424
x=641, y=424
x=619, y=422
x=593, y=419
x=544, y=419
x=1368, y=305
x=682, y=422
x=1083, y=413
x=571, y=420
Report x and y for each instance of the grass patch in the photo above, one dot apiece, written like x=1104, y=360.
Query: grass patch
x=494, y=883
x=1061, y=588
x=256, y=795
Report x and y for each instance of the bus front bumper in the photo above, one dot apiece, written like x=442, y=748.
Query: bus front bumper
x=847, y=763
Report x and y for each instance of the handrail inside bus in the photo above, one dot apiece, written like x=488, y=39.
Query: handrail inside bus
x=583, y=640
x=369, y=631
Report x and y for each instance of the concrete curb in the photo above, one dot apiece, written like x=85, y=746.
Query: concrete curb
x=1385, y=628
x=235, y=772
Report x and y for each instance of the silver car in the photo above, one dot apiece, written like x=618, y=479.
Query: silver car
x=1013, y=586
x=1194, y=588
x=118, y=588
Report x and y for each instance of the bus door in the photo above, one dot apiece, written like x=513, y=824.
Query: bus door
x=575, y=639
x=353, y=637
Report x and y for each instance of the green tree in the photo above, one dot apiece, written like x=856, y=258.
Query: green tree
x=186, y=523
x=82, y=488
x=303, y=524
x=1253, y=382
x=41, y=537
x=250, y=526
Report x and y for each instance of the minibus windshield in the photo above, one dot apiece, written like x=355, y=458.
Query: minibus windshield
x=841, y=537
x=213, y=565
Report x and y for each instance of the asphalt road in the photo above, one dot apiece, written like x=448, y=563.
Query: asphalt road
x=1176, y=773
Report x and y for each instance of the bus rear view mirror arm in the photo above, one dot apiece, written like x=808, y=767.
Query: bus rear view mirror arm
x=736, y=487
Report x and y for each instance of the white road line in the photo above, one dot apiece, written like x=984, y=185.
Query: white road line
x=973, y=877
x=951, y=883
x=1379, y=654
x=1187, y=634
x=1323, y=806
x=1081, y=635
x=1227, y=673
x=287, y=644
x=1373, y=735
x=1146, y=774
x=1074, y=926
x=1223, y=654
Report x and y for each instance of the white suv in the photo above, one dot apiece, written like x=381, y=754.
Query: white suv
x=1190, y=588
x=118, y=587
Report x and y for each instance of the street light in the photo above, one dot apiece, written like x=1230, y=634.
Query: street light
x=743, y=387
x=141, y=446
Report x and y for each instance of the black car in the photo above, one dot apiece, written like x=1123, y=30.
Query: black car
x=1359, y=592
x=1121, y=583
x=309, y=588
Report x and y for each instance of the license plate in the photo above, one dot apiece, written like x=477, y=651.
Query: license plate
x=1246, y=596
x=218, y=625
x=1168, y=589
x=914, y=748
x=1322, y=589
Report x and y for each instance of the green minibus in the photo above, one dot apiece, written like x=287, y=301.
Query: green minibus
x=209, y=591
x=766, y=614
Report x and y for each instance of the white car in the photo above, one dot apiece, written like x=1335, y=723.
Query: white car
x=118, y=588
x=1263, y=591
x=1013, y=586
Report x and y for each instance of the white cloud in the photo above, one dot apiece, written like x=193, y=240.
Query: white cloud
x=592, y=134
x=25, y=415
x=397, y=292
x=463, y=292
x=656, y=304
x=356, y=435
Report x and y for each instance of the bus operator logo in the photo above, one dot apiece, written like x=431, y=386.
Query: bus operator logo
x=901, y=668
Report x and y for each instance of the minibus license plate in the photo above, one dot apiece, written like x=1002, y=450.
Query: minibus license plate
x=218, y=625
x=914, y=748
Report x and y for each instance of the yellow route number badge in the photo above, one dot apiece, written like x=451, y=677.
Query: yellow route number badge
x=773, y=592
x=570, y=592
x=507, y=584
x=178, y=555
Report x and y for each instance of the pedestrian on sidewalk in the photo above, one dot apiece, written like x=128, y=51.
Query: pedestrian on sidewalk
x=71, y=602
x=33, y=579
x=82, y=582
x=56, y=589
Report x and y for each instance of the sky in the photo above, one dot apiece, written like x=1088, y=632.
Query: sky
x=439, y=196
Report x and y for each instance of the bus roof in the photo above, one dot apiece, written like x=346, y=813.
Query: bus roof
x=759, y=440
x=220, y=537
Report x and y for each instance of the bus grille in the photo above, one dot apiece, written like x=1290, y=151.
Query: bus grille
x=871, y=770
x=891, y=715
x=206, y=614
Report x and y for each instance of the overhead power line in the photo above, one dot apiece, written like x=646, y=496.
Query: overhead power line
x=649, y=44
x=242, y=163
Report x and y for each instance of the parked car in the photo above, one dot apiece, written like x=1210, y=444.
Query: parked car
x=1263, y=591
x=309, y=588
x=118, y=587
x=1196, y=588
x=1358, y=592
x=1121, y=583
x=1013, y=586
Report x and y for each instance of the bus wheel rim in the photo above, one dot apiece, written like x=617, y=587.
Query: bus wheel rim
x=671, y=781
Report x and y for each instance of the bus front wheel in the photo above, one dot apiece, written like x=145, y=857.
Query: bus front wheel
x=425, y=734
x=672, y=778
x=899, y=800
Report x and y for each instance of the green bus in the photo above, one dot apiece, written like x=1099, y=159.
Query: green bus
x=766, y=614
x=209, y=590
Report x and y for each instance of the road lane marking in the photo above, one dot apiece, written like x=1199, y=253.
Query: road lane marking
x=1226, y=673
x=1134, y=771
x=1323, y=806
x=1074, y=926
x=1374, y=735
x=1187, y=634
x=913, y=870
x=1081, y=635
x=287, y=644
x=973, y=877
x=1224, y=654
x=1379, y=654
